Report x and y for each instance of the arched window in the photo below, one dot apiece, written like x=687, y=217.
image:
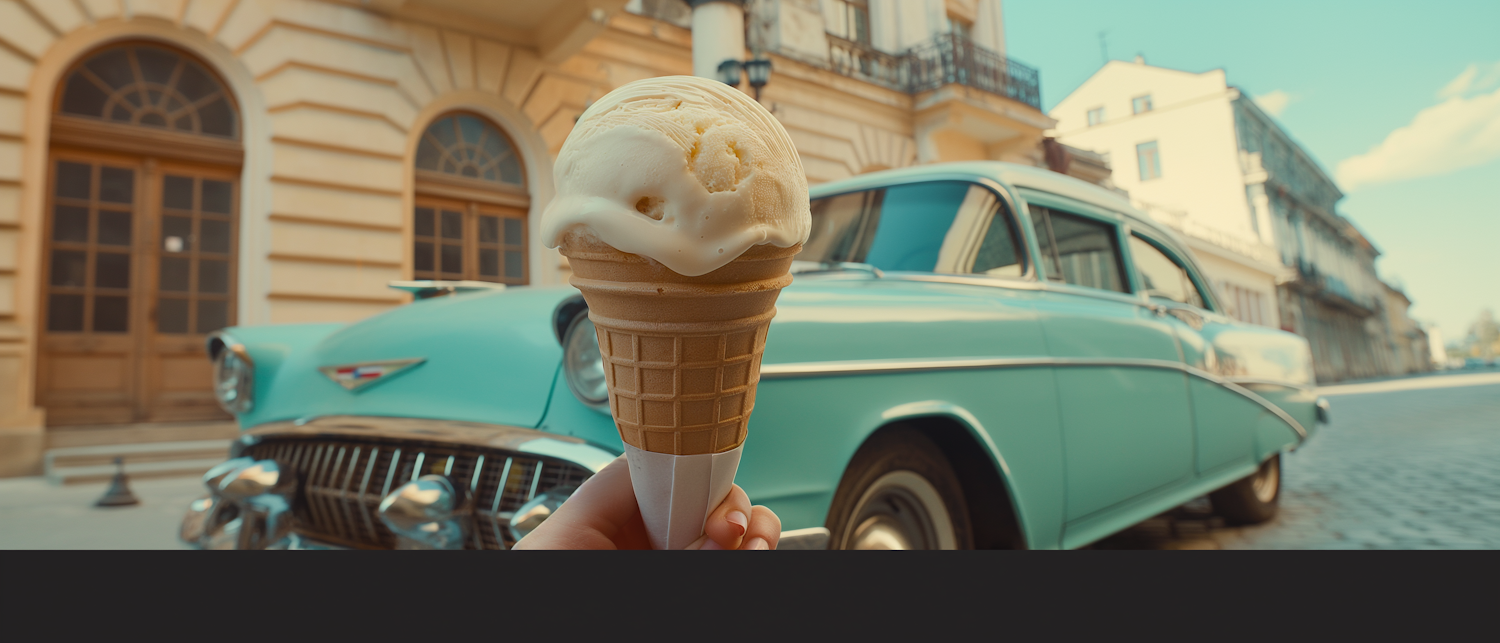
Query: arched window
x=151, y=85
x=141, y=236
x=471, y=203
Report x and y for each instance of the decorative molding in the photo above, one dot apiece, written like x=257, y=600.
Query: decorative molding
x=340, y=299
x=339, y=261
x=454, y=187
x=146, y=141
x=305, y=104
x=341, y=149
x=334, y=223
x=344, y=187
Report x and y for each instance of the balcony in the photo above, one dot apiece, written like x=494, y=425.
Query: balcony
x=946, y=59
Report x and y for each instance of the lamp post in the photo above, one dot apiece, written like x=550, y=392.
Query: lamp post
x=757, y=69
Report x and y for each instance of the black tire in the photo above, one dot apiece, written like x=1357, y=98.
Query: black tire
x=894, y=495
x=1253, y=499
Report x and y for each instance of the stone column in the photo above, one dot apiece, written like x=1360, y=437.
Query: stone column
x=718, y=34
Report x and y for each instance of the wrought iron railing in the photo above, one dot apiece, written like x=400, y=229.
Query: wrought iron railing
x=947, y=59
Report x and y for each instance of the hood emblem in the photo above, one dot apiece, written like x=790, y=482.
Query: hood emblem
x=357, y=376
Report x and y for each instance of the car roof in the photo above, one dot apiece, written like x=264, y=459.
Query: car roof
x=1010, y=175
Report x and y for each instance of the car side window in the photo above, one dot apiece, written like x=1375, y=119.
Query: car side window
x=998, y=255
x=1078, y=250
x=901, y=227
x=1161, y=275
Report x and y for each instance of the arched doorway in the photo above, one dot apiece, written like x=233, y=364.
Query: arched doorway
x=469, y=221
x=141, y=237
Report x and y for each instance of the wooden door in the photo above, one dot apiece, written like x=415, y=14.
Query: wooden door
x=139, y=264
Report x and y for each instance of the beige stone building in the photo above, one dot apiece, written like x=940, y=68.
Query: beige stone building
x=169, y=167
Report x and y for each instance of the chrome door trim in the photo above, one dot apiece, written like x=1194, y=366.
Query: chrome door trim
x=880, y=367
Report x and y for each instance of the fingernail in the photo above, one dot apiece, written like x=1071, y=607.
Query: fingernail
x=758, y=543
x=738, y=519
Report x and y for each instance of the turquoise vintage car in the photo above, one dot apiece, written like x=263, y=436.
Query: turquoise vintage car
x=977, y=355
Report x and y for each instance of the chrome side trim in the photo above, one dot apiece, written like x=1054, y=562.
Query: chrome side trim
x=878, y=367
x=1252, y=381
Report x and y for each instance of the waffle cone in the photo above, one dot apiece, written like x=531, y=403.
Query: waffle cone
x=681, y=354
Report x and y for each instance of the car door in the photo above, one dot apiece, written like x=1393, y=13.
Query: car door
x=1126, y=422
x=1224, y=422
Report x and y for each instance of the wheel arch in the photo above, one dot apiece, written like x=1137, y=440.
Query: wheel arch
x=977, y=462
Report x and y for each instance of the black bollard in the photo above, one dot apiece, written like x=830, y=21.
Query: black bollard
x=119, y=494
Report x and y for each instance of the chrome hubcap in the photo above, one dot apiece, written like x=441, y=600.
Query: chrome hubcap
x=900, y=511
x=1267, y=480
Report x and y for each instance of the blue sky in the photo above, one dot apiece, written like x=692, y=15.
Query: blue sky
x=1398, y=100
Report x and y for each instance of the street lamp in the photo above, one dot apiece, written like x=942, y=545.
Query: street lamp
x=758, y=69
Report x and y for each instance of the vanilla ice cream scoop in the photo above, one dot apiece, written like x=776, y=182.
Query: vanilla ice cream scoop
x=685, y=170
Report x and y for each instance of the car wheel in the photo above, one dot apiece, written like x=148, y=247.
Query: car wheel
x=899, y=492
x=1253, y=499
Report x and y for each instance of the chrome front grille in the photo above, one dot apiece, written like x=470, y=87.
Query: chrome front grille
x=343, y=480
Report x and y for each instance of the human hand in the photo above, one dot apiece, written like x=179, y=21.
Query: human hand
x=603, y=514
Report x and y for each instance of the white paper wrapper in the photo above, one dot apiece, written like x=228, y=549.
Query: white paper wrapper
x=677, y=492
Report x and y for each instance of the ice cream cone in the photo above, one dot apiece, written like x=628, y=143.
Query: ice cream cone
x=681, y=354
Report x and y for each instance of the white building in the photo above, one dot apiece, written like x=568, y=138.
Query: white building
x=1257, y=209
x=1170, y=136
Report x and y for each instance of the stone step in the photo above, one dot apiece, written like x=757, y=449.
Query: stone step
x=72, y=465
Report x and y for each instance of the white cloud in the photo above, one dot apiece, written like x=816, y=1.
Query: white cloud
x=1477, y=77
x=1274, y=102
x=1458, y=133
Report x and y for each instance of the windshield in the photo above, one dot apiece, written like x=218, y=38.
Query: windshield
x=896, y=228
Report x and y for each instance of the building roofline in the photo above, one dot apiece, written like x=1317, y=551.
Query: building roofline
x=1296, y=146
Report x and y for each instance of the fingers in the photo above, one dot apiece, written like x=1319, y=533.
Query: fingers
x=764, y=531
x=601, y=514
x=727, y=525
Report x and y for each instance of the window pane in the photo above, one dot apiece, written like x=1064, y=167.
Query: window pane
x=114, y=228
x=489, y=229
x=217, y=196
x=515, y=264
x=471, y=128
x=217, y=118
x=180, y=229
x=156, y=64
x=172, y=316
x=1148, y=158
x=83, y=97
x=212, y=315
x=489, y=262
x=911, y=223
x=428, y=154
x=213, y=276
x=174, y=274
x=69, y=268
x=837, y=223
x=195, y=83
x=116, y=185
x=453, y=225
x=424, y=226
x=73, y=180
x=111, y=270
x=445, y=132
x=1044, y=243
x=513, y=234
x=213, y=235
x=1086, y=251
x=1161, y=276
x=998, y=255
x=113, y=67
x=177, y=192
x=70, y=223
x=510, y=171
x=111, y=314
x=422, y=257
x=65, y=313
x=453, y=259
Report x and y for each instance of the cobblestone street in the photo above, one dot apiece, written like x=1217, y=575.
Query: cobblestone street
x=1405, y=464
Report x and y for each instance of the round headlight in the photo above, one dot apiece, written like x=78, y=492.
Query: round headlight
x=234, y=377
x=582, y=364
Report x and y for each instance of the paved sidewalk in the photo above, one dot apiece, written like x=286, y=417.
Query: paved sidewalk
x=1406, y=464
x=35, y=514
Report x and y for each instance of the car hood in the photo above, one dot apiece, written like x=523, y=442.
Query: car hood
x=486, y=357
